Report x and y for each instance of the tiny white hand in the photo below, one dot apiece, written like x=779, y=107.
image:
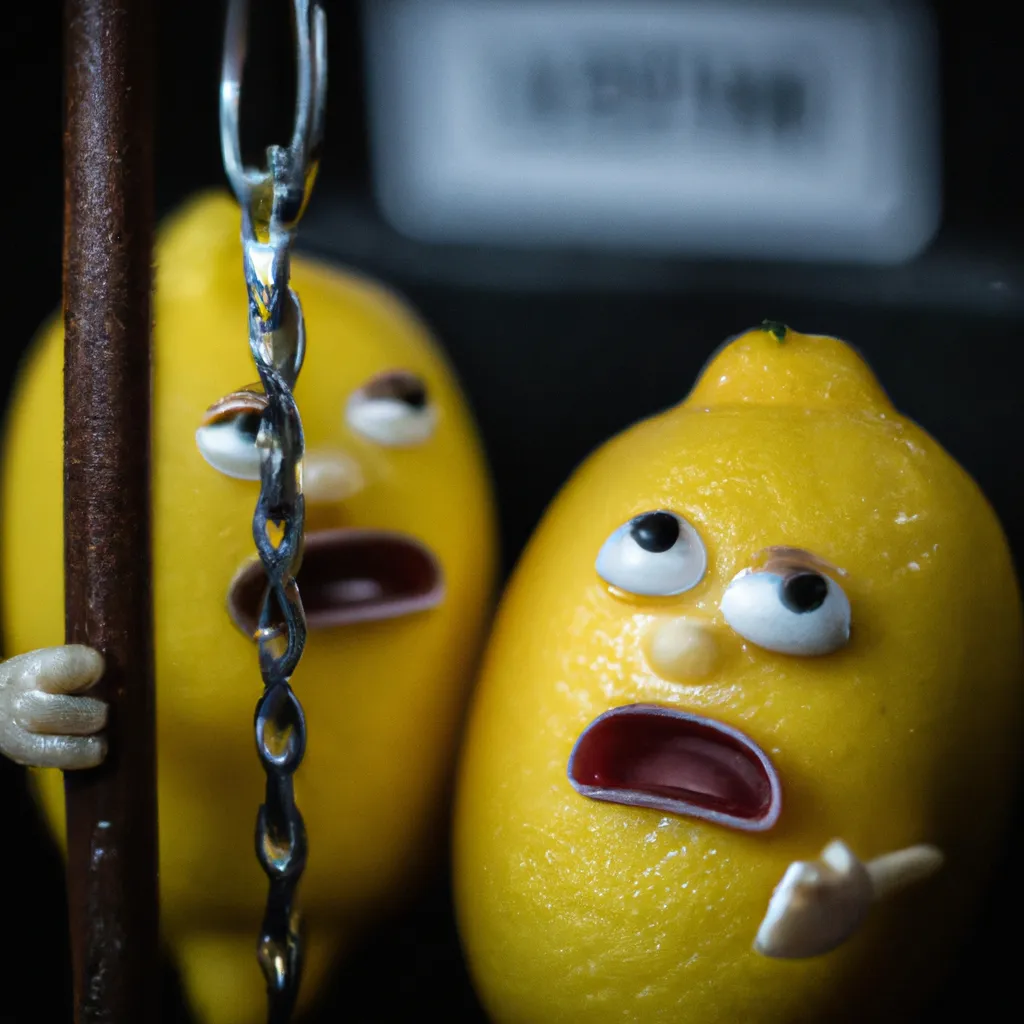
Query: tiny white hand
x=819, y=904
x=45, y=720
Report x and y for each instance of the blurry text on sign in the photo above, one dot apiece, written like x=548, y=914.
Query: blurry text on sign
x=610, y=96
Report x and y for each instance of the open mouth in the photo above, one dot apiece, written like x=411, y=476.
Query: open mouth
x=348, y=576
x=643, y=755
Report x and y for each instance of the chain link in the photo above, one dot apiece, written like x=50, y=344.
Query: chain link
x=272, y=203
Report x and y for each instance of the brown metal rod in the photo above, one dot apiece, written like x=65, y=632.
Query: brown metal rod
x=108, y=238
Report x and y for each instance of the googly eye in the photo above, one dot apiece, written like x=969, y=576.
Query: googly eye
x=393, y=409
x=657, y=554
x=801, y=612
x=227, y=436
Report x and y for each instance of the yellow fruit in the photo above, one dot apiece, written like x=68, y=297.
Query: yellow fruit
x=888, y=721
x=382, y=695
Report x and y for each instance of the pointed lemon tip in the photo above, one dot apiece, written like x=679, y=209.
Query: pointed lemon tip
x=204, y=233
x=774, y=365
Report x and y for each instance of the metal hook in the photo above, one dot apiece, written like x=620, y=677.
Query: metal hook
x=276, y=196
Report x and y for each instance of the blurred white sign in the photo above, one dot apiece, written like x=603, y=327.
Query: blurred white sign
x=773, y=130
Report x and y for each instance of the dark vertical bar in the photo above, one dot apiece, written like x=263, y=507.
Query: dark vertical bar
x=108, y=238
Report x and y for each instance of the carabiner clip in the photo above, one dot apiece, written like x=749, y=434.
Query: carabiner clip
x=275, y=198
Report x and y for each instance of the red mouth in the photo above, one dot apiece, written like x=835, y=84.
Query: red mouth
x=348, y=576
x=643, y=755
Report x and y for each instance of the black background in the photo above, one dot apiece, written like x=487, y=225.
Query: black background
x=557, y=352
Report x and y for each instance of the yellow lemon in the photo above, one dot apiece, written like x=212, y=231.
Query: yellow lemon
x=399, y=563
x=746, y=730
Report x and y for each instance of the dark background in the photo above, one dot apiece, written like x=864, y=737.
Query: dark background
x=557, y=352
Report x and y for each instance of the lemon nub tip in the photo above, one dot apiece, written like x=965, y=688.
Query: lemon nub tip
x=776, y=329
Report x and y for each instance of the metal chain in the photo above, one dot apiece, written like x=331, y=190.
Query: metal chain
x=272, y=203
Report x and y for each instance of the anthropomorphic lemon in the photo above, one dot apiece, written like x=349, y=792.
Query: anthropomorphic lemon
x=399, y=561
x=747, y=725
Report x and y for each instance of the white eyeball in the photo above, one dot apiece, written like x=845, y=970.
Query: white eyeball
x=657, y=554
x=803, y=612
x=393, y=409
x=229, y=445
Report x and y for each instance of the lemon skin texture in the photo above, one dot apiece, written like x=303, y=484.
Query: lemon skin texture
x=383, y=699
x=571, y=909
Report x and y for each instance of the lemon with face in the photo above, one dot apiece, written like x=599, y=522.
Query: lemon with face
x=746, y=732
x=398, y=566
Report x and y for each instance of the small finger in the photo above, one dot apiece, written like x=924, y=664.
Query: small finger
x=58, y=714
x=68, y=753
x=67, y=669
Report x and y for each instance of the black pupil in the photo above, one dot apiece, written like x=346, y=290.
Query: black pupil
x=655, y=531
x=413, y=394
x=804, y=592
x=248, y=423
